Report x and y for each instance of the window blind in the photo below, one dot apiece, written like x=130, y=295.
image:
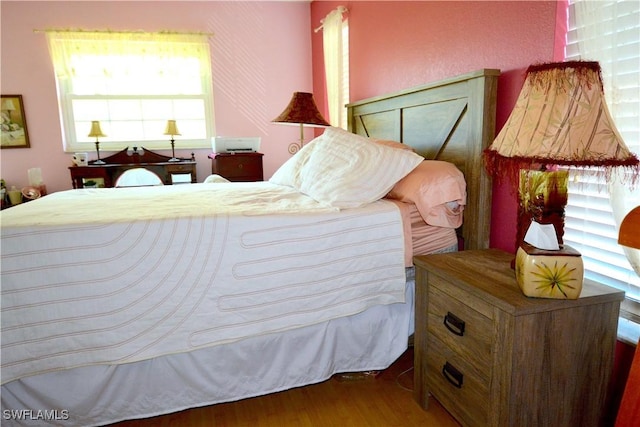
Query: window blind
x=132, y=82
x=607, y=32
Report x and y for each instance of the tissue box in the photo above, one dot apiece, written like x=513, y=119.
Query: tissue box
x=549, y=274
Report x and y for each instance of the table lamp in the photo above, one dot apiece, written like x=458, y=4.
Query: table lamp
x=97, y=133
x=560, y=119
x=172, y=129
x=302, y=110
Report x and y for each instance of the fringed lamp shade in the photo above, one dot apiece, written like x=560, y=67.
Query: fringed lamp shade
x=302, y=110
x=560, y=118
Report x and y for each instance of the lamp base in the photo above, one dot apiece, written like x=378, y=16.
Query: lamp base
x=549, y=274
x=173, y=159
x=542, y=197
x=98, y=162
x=294, y=147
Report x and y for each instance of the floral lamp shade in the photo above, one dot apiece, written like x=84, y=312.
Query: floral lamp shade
x=560, y=118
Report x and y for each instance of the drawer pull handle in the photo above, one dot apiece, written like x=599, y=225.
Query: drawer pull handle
x=452, y=375
x=454, y=324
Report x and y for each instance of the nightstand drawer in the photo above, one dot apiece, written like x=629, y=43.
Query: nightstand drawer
x=506, y=359
x=238, y=167
x=451, y=379
x=464, y=330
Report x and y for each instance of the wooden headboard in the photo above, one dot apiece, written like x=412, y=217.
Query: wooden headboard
x=451, y=120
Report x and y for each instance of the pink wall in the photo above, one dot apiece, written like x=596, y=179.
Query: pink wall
x=397, y=45
x=393, y=45
x=261, y=54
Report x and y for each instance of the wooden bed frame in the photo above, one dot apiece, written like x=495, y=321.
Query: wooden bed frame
x=451, y=120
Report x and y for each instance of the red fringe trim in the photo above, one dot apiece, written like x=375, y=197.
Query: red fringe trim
x=507, y=169
x=588, y=72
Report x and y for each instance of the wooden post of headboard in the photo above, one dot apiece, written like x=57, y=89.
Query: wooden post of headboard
x=451, y=120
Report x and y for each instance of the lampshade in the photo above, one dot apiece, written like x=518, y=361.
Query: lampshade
x=95, y=130
x=630, y=229
x=171, y=128
x=7, y=105
x=302, y=109
x=560, y=118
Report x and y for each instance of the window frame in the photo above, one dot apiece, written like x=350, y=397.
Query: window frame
x=74, y=140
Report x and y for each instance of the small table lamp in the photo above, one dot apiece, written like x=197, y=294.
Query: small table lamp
x=97, y=132
x=302, y=109
x=560, y=118
x=172, y=129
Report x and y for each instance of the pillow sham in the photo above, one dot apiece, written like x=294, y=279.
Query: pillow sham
x=431, y=186
x=346, y=170
x=289, y=173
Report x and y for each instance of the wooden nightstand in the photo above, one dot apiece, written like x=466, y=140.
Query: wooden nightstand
x=491, y=356
x=237, y=166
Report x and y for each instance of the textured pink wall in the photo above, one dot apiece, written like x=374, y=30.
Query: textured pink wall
x=396, y=44
x=261, y=53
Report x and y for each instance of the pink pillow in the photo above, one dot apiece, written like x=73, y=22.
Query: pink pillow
x=431, y=187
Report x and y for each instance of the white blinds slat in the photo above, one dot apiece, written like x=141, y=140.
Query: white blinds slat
x=612, y=37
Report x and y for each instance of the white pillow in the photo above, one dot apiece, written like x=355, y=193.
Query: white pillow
x=345, y=170
x=289, y=172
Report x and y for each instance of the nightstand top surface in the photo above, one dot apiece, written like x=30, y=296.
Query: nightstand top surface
x=488, y=275
x=235, y=153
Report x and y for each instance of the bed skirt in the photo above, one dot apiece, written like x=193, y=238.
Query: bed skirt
x=104, y=394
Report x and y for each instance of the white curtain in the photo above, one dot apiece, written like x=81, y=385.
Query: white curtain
x=106, y=62
x=609, y=32
x=333, y=64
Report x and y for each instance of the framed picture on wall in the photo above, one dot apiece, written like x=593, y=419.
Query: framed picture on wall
x=14, y=123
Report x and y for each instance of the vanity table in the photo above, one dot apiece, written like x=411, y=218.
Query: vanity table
x=105, y=175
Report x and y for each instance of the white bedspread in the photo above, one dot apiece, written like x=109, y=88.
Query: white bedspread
x=111, y=276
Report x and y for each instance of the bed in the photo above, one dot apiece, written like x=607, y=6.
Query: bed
x=221, y=291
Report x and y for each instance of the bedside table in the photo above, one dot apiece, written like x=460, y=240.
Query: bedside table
x=237, y=166
x=494, y=357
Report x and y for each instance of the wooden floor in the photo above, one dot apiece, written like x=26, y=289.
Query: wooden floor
x=385, y=400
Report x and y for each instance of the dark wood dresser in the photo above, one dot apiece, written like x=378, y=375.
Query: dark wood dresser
x=238, y=166
x=105, y=175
